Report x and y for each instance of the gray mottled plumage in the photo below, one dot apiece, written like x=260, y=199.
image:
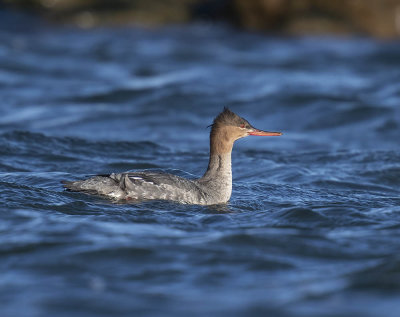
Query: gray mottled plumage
x=149, y=185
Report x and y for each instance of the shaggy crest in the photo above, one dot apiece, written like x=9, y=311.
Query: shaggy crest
x=228, y=118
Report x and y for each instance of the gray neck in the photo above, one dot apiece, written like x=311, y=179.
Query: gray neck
x=219, y=168
x=217, y=180
x=219, y=165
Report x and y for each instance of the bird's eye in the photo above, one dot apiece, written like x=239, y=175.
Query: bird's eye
x=242, y=125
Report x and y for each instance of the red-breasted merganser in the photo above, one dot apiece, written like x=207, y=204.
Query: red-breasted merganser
x=215, y=187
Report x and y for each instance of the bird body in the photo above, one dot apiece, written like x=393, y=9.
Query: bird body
x=214, y=187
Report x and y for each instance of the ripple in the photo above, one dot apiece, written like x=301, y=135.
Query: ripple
x=314, y=215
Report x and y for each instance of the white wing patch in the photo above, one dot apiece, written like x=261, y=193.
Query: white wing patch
x=139, y=178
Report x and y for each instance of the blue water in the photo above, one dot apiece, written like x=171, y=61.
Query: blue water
x=313, y=225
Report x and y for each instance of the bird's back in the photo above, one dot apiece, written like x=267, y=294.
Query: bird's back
x=142, y=186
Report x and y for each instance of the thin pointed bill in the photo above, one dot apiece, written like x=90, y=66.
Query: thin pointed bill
x=264, y=133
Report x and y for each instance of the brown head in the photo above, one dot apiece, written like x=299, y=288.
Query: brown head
x=229, y=127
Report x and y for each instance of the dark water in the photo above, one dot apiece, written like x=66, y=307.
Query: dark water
x=313, y=225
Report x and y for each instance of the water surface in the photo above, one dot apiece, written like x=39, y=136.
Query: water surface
x=313, y=225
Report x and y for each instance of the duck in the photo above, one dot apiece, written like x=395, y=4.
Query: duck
x=214, y=187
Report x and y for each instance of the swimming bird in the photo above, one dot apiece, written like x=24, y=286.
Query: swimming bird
x=214, y=187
